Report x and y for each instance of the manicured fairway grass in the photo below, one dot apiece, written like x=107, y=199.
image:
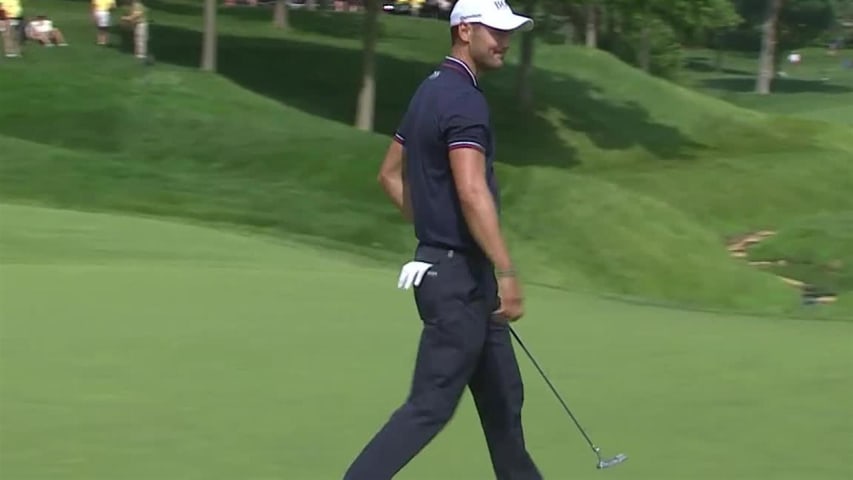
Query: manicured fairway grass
x=133, y=348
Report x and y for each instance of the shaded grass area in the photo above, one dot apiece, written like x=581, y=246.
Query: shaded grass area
x=323, y=80
x=820, y=88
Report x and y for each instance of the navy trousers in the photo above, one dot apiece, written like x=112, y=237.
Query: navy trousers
x=460, y=346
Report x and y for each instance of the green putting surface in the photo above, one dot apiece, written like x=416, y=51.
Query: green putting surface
x=139, y=349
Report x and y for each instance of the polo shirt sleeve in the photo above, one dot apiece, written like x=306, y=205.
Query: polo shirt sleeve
x=402, y=131
x=399, y=138
x=466, y=123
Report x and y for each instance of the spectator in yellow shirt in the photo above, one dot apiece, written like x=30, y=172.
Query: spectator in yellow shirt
x=12, y=12
x=101, y=15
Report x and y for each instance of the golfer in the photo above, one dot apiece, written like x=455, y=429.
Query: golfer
x=439, y=171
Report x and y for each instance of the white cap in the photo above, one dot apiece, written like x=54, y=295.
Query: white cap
x=491, y=13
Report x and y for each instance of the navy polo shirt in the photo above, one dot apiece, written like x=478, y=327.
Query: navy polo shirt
x=447, y=111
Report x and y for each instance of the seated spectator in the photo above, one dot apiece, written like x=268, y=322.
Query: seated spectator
x=41, y=29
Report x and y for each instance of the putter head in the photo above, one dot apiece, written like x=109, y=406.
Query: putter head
x=611, y=461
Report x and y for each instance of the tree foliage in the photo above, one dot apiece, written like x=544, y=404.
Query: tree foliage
x=800, y=22
x=651, y=33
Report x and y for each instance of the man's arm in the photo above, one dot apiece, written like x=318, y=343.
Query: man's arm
x=478, y=205
x=392, y=177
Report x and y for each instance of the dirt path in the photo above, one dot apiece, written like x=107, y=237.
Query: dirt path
x=738, y=247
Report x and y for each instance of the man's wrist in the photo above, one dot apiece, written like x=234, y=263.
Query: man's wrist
x=505, y=272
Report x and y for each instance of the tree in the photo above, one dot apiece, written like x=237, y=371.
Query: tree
x=695, y=19
x=591, y=15
x=706, y=22
x=766, y=61
x=804, y=21
x=636, y=30
x=650, y=33
x=785, y=25
x=208, y=48
x=644, y=54
x=524, y=87
x=280, y=16
x=367, y=95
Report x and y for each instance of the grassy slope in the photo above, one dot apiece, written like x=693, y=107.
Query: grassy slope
x=830, y=267
x=601, y=166
x=174, y=352
x=821, y=88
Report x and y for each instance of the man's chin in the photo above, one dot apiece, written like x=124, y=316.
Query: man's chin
x=495, y=63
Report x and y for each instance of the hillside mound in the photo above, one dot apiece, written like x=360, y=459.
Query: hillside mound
x=616, y=182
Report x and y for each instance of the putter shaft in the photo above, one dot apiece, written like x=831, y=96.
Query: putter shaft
x=601, y=463
x=553, y=389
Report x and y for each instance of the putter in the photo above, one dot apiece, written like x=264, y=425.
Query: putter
x=602, y=463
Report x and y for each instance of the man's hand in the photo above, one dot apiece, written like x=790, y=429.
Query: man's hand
x=511, y=299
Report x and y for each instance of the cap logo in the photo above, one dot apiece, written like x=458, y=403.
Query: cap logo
x=500, y=4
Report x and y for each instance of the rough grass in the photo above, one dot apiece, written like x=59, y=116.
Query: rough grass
x=616, y=182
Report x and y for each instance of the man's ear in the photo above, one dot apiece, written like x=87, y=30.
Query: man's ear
x=465, y=32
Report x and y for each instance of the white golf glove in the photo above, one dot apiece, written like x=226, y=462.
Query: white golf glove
x=412, y=274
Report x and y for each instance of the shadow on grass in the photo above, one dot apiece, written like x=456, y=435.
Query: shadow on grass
x=322, y=22
x=105, y=119
x=706, y=65
x=324, y=80
x=609, y=124
x=780, y=85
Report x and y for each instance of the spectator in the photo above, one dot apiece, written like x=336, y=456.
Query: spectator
x=795, y=58
x=2, y=19
x=11, y=25
x=41, y=29
x=101, y=15
x=138, y=19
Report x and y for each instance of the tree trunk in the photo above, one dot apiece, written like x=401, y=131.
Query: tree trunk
x=279, y=15
x=569, y=32
x=616, y=18
x=719, y=49
x=367, y=96
x=718, y=59
x=591, y=25
x=524, y=88
x=603, y=22
x=767, y=61
x=645, y=52
x=208, y=47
